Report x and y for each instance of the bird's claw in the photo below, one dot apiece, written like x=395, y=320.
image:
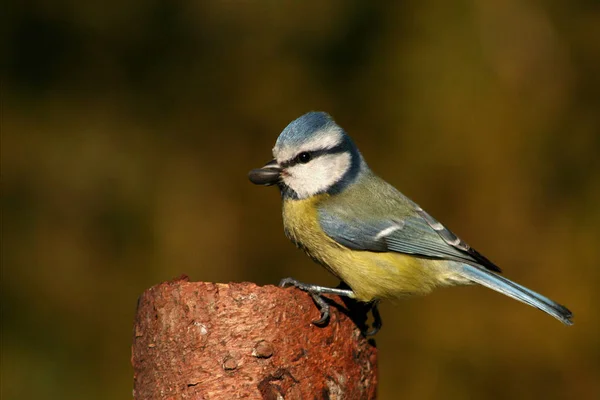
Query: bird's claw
x=323, y=308
x=285, y=282
x=316, y=295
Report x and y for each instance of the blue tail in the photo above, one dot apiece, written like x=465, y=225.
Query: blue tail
x=509, y=288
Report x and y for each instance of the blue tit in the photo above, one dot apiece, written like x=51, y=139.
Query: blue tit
x=369, y=235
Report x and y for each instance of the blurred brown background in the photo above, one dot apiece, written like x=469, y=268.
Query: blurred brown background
x=128, y=128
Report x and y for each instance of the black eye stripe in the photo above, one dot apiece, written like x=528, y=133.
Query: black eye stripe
x=340, y=148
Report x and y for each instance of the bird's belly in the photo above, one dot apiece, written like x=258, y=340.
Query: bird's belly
x=370, y=275
x=384, y=275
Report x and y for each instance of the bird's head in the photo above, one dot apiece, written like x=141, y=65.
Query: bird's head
x=312, y=155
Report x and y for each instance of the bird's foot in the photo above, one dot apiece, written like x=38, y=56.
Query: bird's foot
x=317, y=293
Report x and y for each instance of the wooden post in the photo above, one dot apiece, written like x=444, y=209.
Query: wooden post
x=198, y=340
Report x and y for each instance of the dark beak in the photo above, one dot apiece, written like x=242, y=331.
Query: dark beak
x=267, y=175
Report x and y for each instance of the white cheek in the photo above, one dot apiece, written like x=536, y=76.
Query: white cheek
x=318, y=175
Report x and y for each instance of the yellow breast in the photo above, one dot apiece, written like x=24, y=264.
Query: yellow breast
x=371, y=275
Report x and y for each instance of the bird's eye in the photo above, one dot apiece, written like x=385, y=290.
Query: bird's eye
x=304, y=157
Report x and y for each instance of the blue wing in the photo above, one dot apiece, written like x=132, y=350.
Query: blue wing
x=416, y=233
x=376, y=217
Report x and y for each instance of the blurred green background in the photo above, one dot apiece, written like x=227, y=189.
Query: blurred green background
x=128, y=128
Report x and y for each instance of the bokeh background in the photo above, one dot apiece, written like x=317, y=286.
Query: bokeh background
x=128, y=128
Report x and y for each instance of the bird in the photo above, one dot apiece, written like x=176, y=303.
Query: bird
x=375, y=240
